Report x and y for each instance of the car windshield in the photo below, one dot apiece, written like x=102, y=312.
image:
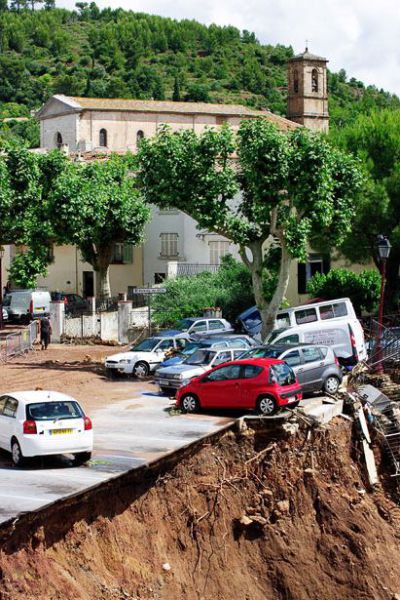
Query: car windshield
x=7, y=301
x=146, y=346
x=200, y=357
x=190, y=349
x=184, y=324
x=274, y=335
x=51, y=411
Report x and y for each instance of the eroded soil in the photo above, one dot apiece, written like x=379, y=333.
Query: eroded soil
x=250, y=516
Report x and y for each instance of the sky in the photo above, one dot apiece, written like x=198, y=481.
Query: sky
x=360, y=36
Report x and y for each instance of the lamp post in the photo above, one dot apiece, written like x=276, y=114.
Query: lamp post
x=1, y=286
x=384, y=247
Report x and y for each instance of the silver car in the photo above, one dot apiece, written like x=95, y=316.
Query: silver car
x=316, y=367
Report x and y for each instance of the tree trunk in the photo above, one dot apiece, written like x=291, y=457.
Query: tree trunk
x=104, y=255
x=268, y=313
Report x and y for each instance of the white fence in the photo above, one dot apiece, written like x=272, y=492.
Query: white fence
x=103, y=325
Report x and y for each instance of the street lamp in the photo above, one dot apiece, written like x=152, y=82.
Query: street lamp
x=2, y=251
x=384, y=247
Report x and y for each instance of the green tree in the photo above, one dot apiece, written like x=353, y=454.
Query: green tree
x=284, y=189
x=94, y=206
x=363, y=288
x=176, y=95
x=375, y=139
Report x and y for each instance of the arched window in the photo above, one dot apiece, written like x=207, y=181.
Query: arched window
x=58, y=140
x=139, y=137
x=103, y=137
x=295, y=81
x=314, y=80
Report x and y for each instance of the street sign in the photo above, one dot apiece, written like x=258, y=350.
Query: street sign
x=149, y=291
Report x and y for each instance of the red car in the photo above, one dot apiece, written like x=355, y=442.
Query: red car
x=263, y=384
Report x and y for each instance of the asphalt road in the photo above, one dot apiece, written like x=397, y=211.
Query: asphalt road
x=127, y=434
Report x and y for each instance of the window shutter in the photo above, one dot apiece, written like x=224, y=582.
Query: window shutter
x=128, y=254
x=301, y=278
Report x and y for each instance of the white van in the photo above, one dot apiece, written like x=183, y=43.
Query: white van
x=330, y=323
x=24, y=305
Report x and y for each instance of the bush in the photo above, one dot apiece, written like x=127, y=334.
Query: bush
x=363, y=289
x=229, y=289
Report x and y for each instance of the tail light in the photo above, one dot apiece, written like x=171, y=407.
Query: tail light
x=353, y=344
x=88, y=423
x=31, y=307
x=337, y=361
x=29, y=427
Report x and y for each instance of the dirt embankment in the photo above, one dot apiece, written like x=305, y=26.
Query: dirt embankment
x=248, y=517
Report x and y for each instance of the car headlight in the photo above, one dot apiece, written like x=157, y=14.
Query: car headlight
x=178, y=376
x=185, y=381
x=125, y=361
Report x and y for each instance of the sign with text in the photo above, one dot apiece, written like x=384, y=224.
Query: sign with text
x=148, y=291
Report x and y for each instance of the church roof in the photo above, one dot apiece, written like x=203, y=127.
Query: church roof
x=78, y=104
x=306, y=55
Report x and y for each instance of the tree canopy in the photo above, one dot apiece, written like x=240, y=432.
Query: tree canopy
x=281, y=191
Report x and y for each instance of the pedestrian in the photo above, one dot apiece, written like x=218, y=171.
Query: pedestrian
x=45, y=332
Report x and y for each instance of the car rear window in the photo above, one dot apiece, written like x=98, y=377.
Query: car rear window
x=50, y=411
x=281, y=374
x=200, y=357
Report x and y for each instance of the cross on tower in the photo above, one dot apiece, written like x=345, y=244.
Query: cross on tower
x=307, y=42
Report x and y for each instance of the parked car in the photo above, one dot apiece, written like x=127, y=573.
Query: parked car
x=215, y=342
x=41, y=423
x=172, y=378
x=143, y=358
x=195, y=327
x=316, y=367
x=25, y=305
x=261, y=384
x=73, y=302
x=331, y=323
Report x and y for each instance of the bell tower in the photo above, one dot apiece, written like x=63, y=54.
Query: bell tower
x=307, y=91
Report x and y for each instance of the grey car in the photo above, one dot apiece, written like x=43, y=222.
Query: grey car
x=316, y=367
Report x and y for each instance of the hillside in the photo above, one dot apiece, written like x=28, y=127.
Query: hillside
x=117, y=53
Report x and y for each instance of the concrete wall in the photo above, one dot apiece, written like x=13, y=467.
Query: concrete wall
x=67, y=125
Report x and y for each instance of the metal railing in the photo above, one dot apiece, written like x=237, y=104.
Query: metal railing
x=20, y=341
x=388, y=350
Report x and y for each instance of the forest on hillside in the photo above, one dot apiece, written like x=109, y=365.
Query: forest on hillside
x=116, y=53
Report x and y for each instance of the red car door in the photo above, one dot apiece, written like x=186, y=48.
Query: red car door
x=221, y=388
x=254, y=383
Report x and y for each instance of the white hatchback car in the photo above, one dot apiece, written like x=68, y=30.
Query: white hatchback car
x=42, y=423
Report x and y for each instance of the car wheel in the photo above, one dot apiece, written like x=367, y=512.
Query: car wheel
x=266, y=406
x=141, y=370
x=190, y=403
x=16, y=454
x=82, y=457
x=331, y=384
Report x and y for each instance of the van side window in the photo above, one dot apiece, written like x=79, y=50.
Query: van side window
x=289, y=339
x=283, y=319
x=330, y=311
x=306, y=315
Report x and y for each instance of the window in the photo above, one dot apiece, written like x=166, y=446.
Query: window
x=199, y=326
x=58, y=140
x=229, y=372
x=306, y=315
x=292, y=358
x=215, y=324
x=169, y=245
x=283, y=319
x=48, y=411
x=237, y=353
x=311, y=354
x=251, y=371
x=330, y=311
x=139, y=138
x=166, y=344
x=10, y=407
x=289, y=339
x=222, y=357
x=103, y=138
x=295, y=82
x=281, y=374
x=315, y=264
x=314, y=80
x=159, y=277
x=217, y=251
x=2, y=403
x=122, y=254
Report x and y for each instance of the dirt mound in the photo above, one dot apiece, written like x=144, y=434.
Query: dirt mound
x=250, y=516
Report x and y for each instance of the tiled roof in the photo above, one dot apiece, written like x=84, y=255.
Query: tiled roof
x=306, y=55
x=158, y=106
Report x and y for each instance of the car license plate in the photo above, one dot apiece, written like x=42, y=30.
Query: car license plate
x=164, y=382
x=292, y=399
x=60, y=431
